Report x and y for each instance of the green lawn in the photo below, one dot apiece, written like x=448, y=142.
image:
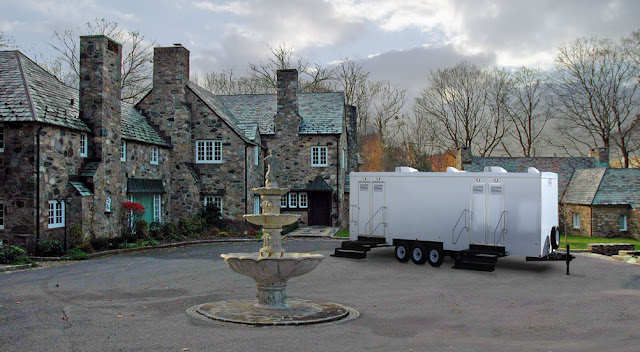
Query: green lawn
x=580, y=242
x=343, y=233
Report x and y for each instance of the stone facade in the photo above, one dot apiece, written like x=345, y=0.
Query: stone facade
x=601, y=221
x=585, y=220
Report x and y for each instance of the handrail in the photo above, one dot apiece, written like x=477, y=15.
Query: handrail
x=344, y=225
x=372, y=217
x=340, y=216
x=453, y=235
x=502, y=216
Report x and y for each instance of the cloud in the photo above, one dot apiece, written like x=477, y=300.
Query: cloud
x=10, y=26
x=236, y=7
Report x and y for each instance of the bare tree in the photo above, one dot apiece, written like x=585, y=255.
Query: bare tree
x=5, y=40
x=464, y=103
x=598, y=90
x=387, y=102
x=137, y=56
x=227, y=83
x=530, y=108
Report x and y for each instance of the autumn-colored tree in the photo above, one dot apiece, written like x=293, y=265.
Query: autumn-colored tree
x=440, y=162
x=132, y=212
x=372, y=152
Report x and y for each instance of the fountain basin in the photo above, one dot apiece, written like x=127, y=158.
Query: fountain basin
x=271, y=221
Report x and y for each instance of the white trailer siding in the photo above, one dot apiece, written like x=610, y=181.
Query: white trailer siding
x=517, y=210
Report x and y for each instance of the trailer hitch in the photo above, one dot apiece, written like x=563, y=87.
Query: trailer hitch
x=555, y=256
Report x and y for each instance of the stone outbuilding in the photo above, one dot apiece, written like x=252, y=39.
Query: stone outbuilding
x=71, y=156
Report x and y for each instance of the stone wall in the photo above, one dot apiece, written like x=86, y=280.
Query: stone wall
x=606, y=221
x=18, y=185
x=585, y=219
x=255, y=173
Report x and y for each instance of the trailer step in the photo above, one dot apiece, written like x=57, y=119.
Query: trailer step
x=352, y=245
x=375, y=240
x=477, y=258
x=474, y=266
x=347, y=253
x=485, y=249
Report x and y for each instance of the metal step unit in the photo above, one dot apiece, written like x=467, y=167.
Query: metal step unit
x=358, y=249
x=479, y=257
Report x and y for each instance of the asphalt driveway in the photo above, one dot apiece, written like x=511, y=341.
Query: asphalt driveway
x=137, y=302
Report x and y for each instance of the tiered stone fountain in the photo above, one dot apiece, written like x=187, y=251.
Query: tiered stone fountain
x=271, y=268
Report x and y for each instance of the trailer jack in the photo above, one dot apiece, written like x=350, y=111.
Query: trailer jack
x=555, y=256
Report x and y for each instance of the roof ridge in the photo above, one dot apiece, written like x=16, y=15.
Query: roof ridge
x=595, y=194
x=26, y=86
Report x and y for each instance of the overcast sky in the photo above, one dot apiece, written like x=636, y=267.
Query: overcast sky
x=397, y=40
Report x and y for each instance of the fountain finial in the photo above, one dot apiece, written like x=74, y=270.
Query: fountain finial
x=270, y=160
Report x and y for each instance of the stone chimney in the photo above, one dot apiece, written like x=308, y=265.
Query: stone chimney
x=287, y=99
x=463, y=157
x=100, y=62
x=352, y=138
x=168, y=108
x=601, y=154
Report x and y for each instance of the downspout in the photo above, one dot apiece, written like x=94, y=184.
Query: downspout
x=338, y=209
x=246, y=176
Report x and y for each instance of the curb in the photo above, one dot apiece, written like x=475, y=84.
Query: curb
x=17, y=267
x=137, y=249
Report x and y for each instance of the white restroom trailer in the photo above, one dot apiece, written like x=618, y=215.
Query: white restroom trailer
x=427, y=215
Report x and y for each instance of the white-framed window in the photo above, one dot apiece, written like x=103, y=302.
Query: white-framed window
x=623, y=222
x=576, y=220
x=155, y=155
x=1, y=138
x=215, y=200
x=209, y=152
x=293, y=200
x=1, y=215
x=256, y=205
x=157, y=207
x=319, y=156
x=56, y=214
x=283, y=201
x=303, y=201
x=256, y=155
x=84, y=147
x=123, y=151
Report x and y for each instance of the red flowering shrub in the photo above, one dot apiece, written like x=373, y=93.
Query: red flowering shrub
x=132, y=212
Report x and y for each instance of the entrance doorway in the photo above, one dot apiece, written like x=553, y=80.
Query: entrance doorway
x=320, y=208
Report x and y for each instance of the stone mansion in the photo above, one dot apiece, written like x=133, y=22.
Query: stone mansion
x=71, y=156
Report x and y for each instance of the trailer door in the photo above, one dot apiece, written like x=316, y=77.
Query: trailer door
x=477, y=227
x=495, y=216
x=364, y=207
x=378, y=210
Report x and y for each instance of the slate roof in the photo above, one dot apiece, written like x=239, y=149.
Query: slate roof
x=90, y=169
x=28, y=93
x=321, y=113
x=214, y=103
x=563, y=166
x=81, y=188
x=604, y=186
x=143, y=185
x=318, y=184
x=583, y=186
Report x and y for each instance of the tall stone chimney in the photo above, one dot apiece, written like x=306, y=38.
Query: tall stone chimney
x=168, y=106
x=352, y=138
x=100, y=62
x=601, y=154
x=287, y=99
x=463, y=157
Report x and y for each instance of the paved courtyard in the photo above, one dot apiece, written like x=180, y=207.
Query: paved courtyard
x=137, y=302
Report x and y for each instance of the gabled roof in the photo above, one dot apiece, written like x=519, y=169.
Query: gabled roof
x=619, y=187
x=583, y=186
x=220, y=109
x=563, y=166
x=321, y=113
x=318, y=184
x=28, y=93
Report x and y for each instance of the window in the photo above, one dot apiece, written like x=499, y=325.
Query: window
x=215, y=200
x=256, y=155
x=293, y=200
x=1, y=138
x=256, y=205
x=623, y=222
x=123, y=151
x=576, y=220
x=344, y=159
x=208, y=152
x=157, y=207
x=283, y=201
x=56, y=214
x=154, y=155
x=1, y=215
x=83, y=145
x=318, y=156
x=303, y=201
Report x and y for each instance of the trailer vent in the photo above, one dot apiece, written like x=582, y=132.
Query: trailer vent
x=378, y=187
x=364, y=186
x=478, y=190
x=496, y=190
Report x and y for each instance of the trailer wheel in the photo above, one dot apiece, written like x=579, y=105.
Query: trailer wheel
x=435, y=257
x=555, y=238
x=419, y=254
x=402, y=251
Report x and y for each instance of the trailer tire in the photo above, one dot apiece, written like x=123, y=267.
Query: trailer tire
x=402, y=251
x=435, y=256
x=419, y=254
x=554, y=238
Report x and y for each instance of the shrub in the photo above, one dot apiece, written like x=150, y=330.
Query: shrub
x=289, y=228
x=11, y=254
x=142, y=229
x=77, y=254
x=169, y=230
x=49, y=248
x=149, y=242
x=99, y=243
x=75, y=235
x=214, y=232
x=191, y=227
x=223, y=234
x=155, y=230
x=252, y=232
x=212, y=216
x=86, y=247
x=132, y=212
